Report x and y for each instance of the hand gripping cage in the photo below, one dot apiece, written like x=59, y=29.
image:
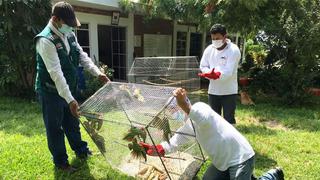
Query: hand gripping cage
x=178, y=71
x=116, y=108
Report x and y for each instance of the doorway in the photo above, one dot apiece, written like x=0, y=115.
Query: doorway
x=112, y=50
x=195, y=45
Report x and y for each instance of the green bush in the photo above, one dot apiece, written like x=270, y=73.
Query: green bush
x=256, y=52
x=264, y=80
x=255, y=56
x=291, y=86
x=20, y=21
x=316, y=79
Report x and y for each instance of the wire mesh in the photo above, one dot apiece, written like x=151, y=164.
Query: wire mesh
x=179, y=71
x=114, y=109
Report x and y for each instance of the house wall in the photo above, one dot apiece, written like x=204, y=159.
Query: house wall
x=161, y=27
x=136, y=27
x=154, y=26
x=97, y=17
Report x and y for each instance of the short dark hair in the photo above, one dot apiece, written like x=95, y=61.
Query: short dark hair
x=65, y=11
x=218, y=28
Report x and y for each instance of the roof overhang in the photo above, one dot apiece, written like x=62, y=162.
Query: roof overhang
x=112, y=5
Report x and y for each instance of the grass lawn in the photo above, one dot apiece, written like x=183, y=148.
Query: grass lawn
x=281, y=136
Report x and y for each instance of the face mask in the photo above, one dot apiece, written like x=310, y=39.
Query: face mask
x=217, y=43
x=179, y=116
x=64, y=29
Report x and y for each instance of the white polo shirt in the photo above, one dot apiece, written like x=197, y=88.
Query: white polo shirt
x=226, y=62
x=224, y=144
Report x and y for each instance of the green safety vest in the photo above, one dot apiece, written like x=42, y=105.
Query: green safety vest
x=69, y=63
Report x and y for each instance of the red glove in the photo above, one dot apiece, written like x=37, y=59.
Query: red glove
x=210, y=75
x=152, y=150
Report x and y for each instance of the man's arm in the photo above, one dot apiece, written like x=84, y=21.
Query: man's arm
x=179, y=139
x=182, y=100
x=88, y=64
x=198, y=112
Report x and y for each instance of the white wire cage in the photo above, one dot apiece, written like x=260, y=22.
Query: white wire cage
x=116, y=108
x=175, y=71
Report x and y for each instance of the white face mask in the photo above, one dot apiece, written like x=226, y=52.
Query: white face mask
x=217, y=43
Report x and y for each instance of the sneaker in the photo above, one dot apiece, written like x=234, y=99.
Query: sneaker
x=279, y=173
x=253, y=177
x=84, y=155
x=276, y=174
x=66, y=168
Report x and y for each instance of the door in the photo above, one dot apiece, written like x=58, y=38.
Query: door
x=112, y=50
x=195, y=45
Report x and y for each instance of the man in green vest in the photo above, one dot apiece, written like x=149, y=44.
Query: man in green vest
x=58, y=57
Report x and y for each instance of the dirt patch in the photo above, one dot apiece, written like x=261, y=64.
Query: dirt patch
x=274, y=124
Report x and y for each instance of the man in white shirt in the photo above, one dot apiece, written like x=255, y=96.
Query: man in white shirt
x=231, y=154
x=58, y=57
x=219, y=64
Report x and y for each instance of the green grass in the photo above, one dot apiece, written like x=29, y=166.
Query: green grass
x=281, y=136
x=23, y=148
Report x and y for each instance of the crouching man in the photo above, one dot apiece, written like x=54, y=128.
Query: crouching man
x=231, y=154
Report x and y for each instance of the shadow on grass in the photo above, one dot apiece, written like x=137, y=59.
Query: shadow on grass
x=300, y=118
x=83, y=171
x=18, y=116
x=263, y=162
x=255, y=129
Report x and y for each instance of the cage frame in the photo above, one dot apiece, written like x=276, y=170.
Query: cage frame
x=147, y=126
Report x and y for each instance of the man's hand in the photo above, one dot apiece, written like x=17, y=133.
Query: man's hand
x=103, y=78
x=210, y=75
x=181, y=97
x=152, y=150
x=74, y=107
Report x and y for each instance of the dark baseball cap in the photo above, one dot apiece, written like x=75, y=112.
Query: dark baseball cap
x=65, y=11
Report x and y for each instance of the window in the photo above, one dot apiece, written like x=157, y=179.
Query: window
x=118, y=46
x=82, y=34
x=156, y=45
x=181, y=43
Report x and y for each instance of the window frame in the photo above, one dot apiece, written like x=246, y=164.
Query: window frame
x=89, y=42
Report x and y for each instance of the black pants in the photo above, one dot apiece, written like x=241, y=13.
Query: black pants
x=227, y=103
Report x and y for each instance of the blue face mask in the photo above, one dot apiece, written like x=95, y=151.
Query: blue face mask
x=64, y=29
x=179, y=116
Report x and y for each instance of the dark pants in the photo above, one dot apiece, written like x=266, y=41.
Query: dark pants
x=241, y=171
x=227, y=103
x=59, y=121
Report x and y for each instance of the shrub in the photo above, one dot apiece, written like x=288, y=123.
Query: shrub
x=20, y=21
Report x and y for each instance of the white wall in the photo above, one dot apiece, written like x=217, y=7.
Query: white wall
x=94, y=20
x=114, y=3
